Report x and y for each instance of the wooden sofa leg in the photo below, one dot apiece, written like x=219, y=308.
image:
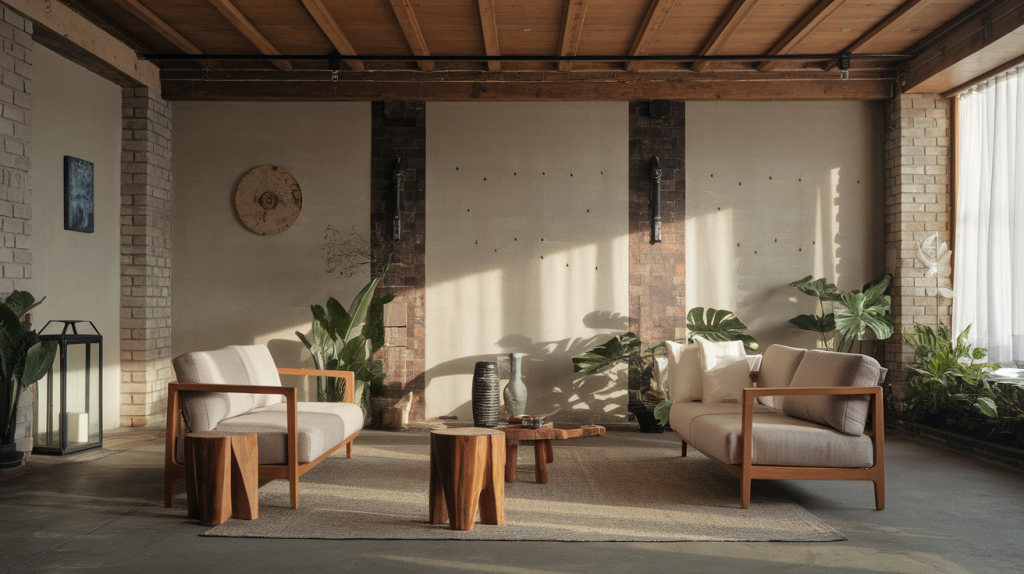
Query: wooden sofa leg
x=684, y=448
x=879, y=494
x=170, y=486
x=293, y=486
x=348, y=450
x=745, y=493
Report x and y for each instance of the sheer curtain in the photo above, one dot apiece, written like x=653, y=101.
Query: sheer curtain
x=988, y=282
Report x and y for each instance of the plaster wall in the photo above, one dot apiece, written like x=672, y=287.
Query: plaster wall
x=775, y=192
x=232, y=286
x=526, y=250
x=77, y=113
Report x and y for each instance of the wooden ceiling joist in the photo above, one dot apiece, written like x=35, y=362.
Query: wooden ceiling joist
x=725, y=29
x=987, y=39
x=489, y=25
x=330, y=28
x=239, y=21
x=572, y=29
x=157, y=23
x=798, y=33
x=894, y=21
x=655, y=19
x=411, y=28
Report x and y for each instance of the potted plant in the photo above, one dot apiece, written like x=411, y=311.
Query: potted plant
x=346, y=340
x=24, y=359
x=851, y=314
x=379, y=400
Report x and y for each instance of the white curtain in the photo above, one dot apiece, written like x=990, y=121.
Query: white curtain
x=988, y=282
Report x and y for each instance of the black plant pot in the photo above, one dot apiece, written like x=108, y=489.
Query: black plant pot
x=648, y=423
x=485, y=394
x=9, y=456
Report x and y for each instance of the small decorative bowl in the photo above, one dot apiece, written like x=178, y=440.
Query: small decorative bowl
x=532, y=422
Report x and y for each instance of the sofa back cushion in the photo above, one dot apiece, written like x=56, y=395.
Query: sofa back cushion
x=777, y=370
x=227, y=366
x=684, y=373
x=847, y=414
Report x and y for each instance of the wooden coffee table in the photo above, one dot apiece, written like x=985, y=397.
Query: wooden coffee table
x=541, y=437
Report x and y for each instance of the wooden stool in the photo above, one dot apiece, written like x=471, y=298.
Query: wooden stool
x=467, y=470
x=221, y=476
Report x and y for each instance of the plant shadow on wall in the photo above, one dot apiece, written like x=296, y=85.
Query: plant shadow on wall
x=547, y=372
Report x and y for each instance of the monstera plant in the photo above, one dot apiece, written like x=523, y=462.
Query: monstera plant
x=718, y=325
x=346, y=340
x=24, y=359
x=846, y=317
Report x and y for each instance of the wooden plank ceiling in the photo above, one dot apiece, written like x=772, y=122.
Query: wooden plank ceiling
x=359, y=30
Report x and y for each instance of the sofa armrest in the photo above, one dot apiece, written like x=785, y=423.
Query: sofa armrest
x=291, y=395
x=875, y=431
x=348, y=397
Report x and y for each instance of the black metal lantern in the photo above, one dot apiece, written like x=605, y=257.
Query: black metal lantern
x=69, y=400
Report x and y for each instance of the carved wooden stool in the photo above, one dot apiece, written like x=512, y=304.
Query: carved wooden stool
x=467, y=470
x=221, y=476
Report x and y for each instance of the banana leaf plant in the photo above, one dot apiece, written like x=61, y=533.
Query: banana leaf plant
x=24, y=359
x=846, y=316
x=718, y=325
x=346, y=340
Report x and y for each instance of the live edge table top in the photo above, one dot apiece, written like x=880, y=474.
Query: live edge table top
x=550, y=431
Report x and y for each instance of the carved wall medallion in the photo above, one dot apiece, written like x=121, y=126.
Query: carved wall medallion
x=268, y=200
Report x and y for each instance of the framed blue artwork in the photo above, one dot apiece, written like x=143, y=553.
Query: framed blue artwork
x=78, y=195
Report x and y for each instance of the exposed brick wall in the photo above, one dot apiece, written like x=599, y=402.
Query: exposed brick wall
x=657, y=272
x=917, y=204
x=15, y=184
x=145, y=257
x=400, y=127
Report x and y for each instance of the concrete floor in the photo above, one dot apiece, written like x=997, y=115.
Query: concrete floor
x=946, y=512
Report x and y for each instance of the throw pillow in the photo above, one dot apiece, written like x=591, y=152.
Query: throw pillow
x=725, y=371
x=777, y=369
x=684, y=372
x=847, y=414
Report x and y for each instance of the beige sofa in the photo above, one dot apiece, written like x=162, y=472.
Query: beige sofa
x=814, y=415
x=239, y=389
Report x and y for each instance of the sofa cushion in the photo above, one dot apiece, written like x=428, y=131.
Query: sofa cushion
x=779, y=440
x=829, y=369
x=682, y=415
x=777, y=369
x=261, y=370
x=725, y=371
x=203, y=411
x=321, y=426
x=684, y=376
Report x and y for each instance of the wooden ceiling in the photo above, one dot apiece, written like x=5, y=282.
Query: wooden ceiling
x=363, y=31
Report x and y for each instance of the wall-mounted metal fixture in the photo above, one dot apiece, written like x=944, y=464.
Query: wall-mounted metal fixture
x=396, y=222
x=844, y=65
x=334, y=63
x=656, y=201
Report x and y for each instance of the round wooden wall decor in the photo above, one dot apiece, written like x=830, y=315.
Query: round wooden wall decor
x=268, y=200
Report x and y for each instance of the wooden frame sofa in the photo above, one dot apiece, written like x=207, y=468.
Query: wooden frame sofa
x=292, y=437
x=772, y=441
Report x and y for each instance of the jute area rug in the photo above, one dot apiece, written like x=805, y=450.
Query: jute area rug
x=593, y=494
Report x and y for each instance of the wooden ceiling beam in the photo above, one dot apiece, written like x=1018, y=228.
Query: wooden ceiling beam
x=572, y=29
x=239, y=21
x=989, y=38
x=411, y=27
x=107, y=25
x=329, y=26
x=489, y=25
x=894, y=21
x=726, y=28
x=158, y=24
x=754, y=90
x=821, y=11
x=648, y=33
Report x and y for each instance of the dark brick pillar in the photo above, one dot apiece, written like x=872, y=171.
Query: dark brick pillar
x=657, y=272
x=400, y=127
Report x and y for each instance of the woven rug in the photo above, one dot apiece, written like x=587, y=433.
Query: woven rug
x=593, y=494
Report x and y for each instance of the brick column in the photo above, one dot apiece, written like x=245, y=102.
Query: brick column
x=400, y=127
x=15, y=184
x=917, y=204
x=145, y=257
